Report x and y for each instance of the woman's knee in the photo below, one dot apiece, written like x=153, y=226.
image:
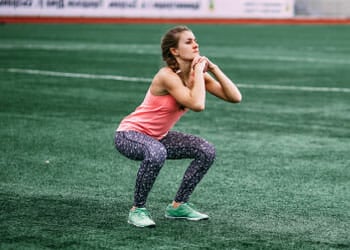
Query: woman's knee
x=209, y=152
x=156, y=155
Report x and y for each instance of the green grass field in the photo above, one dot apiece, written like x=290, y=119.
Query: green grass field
x=282, y=175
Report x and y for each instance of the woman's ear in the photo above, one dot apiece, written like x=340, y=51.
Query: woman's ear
x=174, y=51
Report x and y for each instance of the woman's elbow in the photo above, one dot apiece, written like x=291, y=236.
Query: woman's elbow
x=236, y=99
x=198, y=108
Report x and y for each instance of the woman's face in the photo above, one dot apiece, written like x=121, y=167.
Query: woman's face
x=188, y=47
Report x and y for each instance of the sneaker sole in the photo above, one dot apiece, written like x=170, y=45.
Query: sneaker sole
x=150, y=226
x=185, y=218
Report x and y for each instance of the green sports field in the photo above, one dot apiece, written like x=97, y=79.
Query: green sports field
x=281, y=179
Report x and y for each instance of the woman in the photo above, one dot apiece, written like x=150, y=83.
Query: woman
x=145, y=134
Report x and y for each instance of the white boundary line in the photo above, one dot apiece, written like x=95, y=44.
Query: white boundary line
x=299, y=88
x=142, y=79
x=78, y=75
x=151, y=49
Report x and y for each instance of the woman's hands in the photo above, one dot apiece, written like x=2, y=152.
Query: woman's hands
x=204, y=63
x=217, y=83
x=201, y=63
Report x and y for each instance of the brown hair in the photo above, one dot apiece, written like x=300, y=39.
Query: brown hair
x=171, y=40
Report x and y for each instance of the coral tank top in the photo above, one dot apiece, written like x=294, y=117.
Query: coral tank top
x=154, y=117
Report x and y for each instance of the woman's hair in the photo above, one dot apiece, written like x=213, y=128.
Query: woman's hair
x=171, y=40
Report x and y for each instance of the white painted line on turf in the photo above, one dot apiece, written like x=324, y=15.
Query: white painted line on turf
x=151, y=49
x=300, y=88
x=143, y=79
x=146, y=49
x=79, y=75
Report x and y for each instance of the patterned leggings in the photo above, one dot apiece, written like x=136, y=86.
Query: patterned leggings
x=153, y=153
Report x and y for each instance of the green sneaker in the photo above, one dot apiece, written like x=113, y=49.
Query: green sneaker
x=184, y=211
x=141, y=217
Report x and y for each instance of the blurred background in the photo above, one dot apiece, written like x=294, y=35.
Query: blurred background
x=323, y=8
x=212, y=9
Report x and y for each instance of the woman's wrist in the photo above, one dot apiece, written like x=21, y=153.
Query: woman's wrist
x=201, y=66
x=213, y=68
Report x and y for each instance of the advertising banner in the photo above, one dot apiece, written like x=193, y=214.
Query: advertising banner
x=150, y=8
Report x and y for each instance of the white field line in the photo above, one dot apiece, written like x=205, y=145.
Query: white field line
x=78, y=75
x=143, y=79
x=151, y=49
x=299, y=88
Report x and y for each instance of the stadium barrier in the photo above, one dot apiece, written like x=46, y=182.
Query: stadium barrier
x=161, y=11
x=149, y=8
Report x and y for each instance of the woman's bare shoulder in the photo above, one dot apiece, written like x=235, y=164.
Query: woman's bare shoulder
x=165, y=72
x=166, y=76
x=161, y=81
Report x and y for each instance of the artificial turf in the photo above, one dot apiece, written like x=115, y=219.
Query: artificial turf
x=281, y=179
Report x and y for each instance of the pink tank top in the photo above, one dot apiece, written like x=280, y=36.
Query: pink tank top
x=154, y=117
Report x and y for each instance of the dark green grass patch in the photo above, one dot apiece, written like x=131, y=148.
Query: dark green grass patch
x=281, y=177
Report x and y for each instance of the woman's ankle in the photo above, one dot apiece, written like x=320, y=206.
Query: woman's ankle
x=176, y=204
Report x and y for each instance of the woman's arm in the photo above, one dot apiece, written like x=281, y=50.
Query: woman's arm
x=220, y=85
x=192, y=96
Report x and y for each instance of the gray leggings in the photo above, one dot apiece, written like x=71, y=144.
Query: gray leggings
x=153, y=153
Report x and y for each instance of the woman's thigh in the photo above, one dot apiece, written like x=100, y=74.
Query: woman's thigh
x=180, y=145
x=138, y=146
